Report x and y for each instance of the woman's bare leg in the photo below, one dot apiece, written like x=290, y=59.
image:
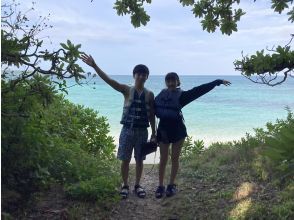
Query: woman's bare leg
x=176, y=150
x=163, y=161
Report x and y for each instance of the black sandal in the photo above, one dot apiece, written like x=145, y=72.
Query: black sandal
x=140, y=192
x=171, y=190
x=159, y=192
x=124, y=192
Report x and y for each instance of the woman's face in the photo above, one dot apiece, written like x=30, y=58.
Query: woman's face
x=171, y=84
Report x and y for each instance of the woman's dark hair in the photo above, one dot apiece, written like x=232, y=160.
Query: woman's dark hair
x=140, y=68
x=173, y=76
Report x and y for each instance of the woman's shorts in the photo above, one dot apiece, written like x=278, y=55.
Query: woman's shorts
x=171, y=131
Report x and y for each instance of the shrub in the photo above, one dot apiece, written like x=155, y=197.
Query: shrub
x=189, y=148
x=280, y=146
x=46, y=139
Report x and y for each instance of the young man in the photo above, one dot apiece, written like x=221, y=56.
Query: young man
x=138, y=111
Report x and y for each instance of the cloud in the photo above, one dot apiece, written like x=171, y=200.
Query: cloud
x=173, y=39
x=272, y=31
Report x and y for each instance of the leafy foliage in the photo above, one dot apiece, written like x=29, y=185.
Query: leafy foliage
x=190, y=148
x=21, y=48
x=45, y=138
x=261, y=164
x=214, y=13
x=270, y=149
x=280, y=146
x=275, y=145
x=99, y=188
x=280, y=6
x=225, y=14
x=53, y=141
x=135, y=9
x=268, y=66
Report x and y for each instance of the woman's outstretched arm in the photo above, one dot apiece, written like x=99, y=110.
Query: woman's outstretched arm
x=192, y=94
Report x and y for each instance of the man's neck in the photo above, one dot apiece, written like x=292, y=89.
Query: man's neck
x=139, y=87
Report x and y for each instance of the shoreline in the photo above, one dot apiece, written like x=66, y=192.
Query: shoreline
x=153, y=158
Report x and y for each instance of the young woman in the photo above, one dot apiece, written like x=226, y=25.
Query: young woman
x=171, y=128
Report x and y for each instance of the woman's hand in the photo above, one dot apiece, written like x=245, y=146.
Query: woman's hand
x=153, y=138
x=226, y=83
x=88, y=60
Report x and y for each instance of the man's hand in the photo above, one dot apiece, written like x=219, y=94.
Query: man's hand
x=226, y=83
x=114, y=84
x=88, y=60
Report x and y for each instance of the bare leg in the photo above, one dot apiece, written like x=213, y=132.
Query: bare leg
x=125, y=171
x=163, y=161
x=139, y=169
x=176, y=150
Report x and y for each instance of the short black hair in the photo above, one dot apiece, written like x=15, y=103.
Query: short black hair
x=173, y=76
x=141, y=68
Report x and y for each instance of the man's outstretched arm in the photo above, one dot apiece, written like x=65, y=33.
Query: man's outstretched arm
x=114, y=84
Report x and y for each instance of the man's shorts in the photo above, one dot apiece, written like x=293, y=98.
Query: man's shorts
x=131, y=138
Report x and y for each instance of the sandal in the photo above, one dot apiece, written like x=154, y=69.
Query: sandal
x=159, y=192
x=124, y=192
x=171, y=190
x=140, y=192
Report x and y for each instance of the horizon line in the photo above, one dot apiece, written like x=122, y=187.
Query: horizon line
x=179, y=75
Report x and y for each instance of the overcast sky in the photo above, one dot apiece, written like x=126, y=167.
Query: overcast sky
x=173, y=40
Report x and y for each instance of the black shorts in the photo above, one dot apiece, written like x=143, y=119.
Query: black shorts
x=170, y=131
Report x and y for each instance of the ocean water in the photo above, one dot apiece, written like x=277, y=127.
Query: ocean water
x=226, y=113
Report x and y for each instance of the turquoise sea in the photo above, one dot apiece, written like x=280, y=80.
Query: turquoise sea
x=223, y=114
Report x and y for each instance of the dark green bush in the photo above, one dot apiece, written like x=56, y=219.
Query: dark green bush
x=280, y=146
x=191, y=147
x=270, y=150
x=99, y=188
x=46, y=139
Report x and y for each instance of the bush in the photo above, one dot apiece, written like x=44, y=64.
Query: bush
x=46, y=139
x=280, y=146
x=189, y=148
x=100, y=188
x=272, y=148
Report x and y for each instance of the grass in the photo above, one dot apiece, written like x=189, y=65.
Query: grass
x=223, y=182
x=226, y=182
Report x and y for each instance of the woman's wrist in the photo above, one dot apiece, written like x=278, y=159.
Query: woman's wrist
x=219, y=82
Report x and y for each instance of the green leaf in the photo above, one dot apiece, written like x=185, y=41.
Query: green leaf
x=64, y=46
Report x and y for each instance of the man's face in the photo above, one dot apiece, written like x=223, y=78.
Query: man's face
x=140, y=78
